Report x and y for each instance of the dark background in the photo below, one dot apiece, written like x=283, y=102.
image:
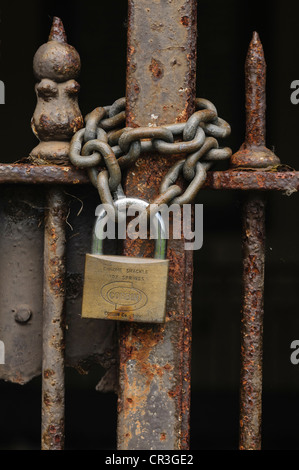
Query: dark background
x=98, y=31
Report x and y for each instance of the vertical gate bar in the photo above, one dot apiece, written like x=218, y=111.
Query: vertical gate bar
x=53, y=322
x=154, y=388
x=56, y=118
x=252, y=322
x=253, y=153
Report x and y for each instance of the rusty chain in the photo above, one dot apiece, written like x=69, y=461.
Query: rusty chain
x=105, y=140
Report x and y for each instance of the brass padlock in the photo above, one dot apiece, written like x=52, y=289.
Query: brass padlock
x=126, y=288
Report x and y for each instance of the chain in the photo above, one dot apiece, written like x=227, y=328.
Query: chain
x=105, y=140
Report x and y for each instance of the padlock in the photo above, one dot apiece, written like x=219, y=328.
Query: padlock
x=122, y=287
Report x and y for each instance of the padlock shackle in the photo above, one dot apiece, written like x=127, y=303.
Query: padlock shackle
x=124, y=203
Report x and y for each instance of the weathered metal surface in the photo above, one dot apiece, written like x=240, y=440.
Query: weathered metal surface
x=253, y=154
x=43, y=174
x=88, y=342
x=252, y=323
x=161, y=59
x=57, y=115
x=285, y=180
x=21, y=281
x=54, y=322
x=154, y=388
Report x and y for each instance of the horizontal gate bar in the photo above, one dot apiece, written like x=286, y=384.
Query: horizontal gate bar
x=253, y=180
x=246, y=180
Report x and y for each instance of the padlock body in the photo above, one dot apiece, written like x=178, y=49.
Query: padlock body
x=125, y=288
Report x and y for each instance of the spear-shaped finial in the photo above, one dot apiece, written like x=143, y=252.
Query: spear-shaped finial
x=255, y=80
x=253, y=153
x=57, y=32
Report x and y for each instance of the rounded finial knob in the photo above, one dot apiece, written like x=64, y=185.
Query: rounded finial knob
x=56, y=60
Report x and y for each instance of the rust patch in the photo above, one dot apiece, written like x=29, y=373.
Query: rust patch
x=156, y=68
x=185, y=20
x=53, y=437
x=252, y=322
x=47, y=400
x=139, y=351
x=56, y=278
x=183, y=116
x=53, y=239
x=76, y=124
x=48, y=373
x=172, y=394
x=136, y=87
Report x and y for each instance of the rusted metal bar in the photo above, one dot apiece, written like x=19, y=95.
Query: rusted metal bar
x=285, y=181
x=42, y=174
x=216, y=180
x=54, y=322
x=56, y=118
x=154, y=388
x=254, y=154
x=252, y=322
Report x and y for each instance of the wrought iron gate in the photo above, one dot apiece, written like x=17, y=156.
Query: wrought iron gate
x=149, y=365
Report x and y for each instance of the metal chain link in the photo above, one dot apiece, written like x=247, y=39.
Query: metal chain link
x=105, y=139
